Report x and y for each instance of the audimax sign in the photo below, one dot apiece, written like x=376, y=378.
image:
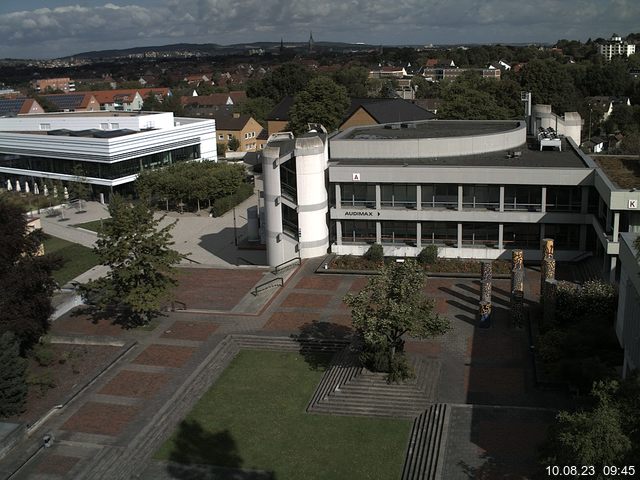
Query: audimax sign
x=360, y=213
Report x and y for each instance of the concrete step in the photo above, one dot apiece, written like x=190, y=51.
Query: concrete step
x=425, y=451
x=365, y=411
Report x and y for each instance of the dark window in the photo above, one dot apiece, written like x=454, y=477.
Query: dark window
x=400, y=195
x=288, y=179
x=565, y=236
x=358, y=231
x=440, y=233
x=439, y=195
x=481, y=196
x=358, y=195
x=564, y=199
x=480, y=234
x=523, y=197
x=521, y=235
x=290, y=220
x=399, y=232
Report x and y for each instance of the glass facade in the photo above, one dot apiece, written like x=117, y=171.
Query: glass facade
x=523, y=197
x=358, y=195
x=481, y=196
x=440, y=195
x=109, y=171
x=439, y=233
x=290, y=220
x=398, y=195
x=358, y=232
x=521, y=235
x=398, y=233
x=564, y=199
x=288, y=180
x=480, y=234
x=565, y=236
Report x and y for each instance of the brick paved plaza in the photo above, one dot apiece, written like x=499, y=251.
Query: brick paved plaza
x=114, y=417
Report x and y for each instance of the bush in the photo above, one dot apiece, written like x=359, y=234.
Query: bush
x=224, y=204
x=428, y=255
x=44, y=382
x=43, y=354
x=375, y=253
x=13, y=389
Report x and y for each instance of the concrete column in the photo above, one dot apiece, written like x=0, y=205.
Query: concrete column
x=418, y=197
x=606, y=227
x=612, y=269
x=418, y=234
x=339, y=232
x=378, y=232
x=378, y=196
x=500, y=236
x=616, y=226
x=583, y=238
x=338, y=196
x=543, y=207
x=460, y=194
x=459, y=236
x=584, y=200
x=502, y=198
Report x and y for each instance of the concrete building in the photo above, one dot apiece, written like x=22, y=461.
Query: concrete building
x=476, y=189
x=111, y=148
x=628, y=320
x=65, y=84
x=615, y=46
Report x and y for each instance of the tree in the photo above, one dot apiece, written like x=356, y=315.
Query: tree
x=24, y=274
x=594, y=437
x=393, y=305
x=323, y=101
x=13, y=386
x=354, y=79
x=258, y=107
x=79, y=188
x=233, y=144
x=550, y=83
x=461, y=100
x=141, y=264
x=289, y=79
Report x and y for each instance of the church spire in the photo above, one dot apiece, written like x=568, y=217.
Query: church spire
x=310, y=41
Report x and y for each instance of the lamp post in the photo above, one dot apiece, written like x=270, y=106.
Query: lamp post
x=235, y=230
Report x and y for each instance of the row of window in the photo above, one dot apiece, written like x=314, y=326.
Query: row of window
x=108, y=171
x=518, y=235
x=516, y=197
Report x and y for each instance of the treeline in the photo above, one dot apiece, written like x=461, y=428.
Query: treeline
x=187, y=185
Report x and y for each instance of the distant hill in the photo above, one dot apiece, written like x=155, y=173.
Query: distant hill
x=212, y=48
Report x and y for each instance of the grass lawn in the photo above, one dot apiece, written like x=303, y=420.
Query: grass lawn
x=254, y=417
x=93, y=225
x=78, y=259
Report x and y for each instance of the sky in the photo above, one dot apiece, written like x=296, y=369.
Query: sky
x=55, y=28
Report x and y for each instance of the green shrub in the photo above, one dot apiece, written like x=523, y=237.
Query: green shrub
x=399, y=369
x=43, y=381
x=224, y=204
x=43, y=354
x=13, y=388
x=428, y=255
x=375, y=253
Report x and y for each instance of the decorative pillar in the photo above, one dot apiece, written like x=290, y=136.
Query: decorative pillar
x=548, y=266
x=549, y=307
x=517, y=288
x=486, y=276
x=484, y=313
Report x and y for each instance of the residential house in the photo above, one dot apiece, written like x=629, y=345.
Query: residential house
x=388, y=72
x=73, y=102
x=362, y=111
x=128, y=100
x=243, y=127
x=11, y=107
x=606, y=104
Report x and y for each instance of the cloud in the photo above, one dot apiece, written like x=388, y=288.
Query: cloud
x=74, y=28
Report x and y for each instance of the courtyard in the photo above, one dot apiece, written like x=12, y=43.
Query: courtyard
x=194, y=379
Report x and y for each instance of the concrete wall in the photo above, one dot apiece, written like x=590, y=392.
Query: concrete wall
x=570, y=125
x=628, y=317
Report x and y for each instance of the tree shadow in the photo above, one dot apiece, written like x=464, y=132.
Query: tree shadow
x=317, y=355
x=201, y=455
x=494, y=299
x=114, y=315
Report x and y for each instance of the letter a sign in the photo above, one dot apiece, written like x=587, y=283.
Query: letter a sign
x=355, y=177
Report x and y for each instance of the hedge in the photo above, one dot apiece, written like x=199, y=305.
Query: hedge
x=224, y=204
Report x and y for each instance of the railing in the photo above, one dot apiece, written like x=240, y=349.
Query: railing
x=287, y=264
x=274, y=282
x=182, y=305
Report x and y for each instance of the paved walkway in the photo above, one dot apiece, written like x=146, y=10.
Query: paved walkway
x=113, y=429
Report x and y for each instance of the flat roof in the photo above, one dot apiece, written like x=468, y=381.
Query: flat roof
x=530, y=157
x=100, y=113
x=429, y=129
x=623, y=171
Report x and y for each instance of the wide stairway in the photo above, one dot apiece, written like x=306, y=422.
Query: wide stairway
x=349, y=389
x=425, y=454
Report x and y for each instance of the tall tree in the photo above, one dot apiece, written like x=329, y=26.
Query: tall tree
x=354, y=79
x=323, y=101
x=258, y=108
x=141, y=263
x=24, y=274
x=79, y=188
x=13, y=386
x=392, y=305
x=289, y=79
x=550, y=83
x=591, y=437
